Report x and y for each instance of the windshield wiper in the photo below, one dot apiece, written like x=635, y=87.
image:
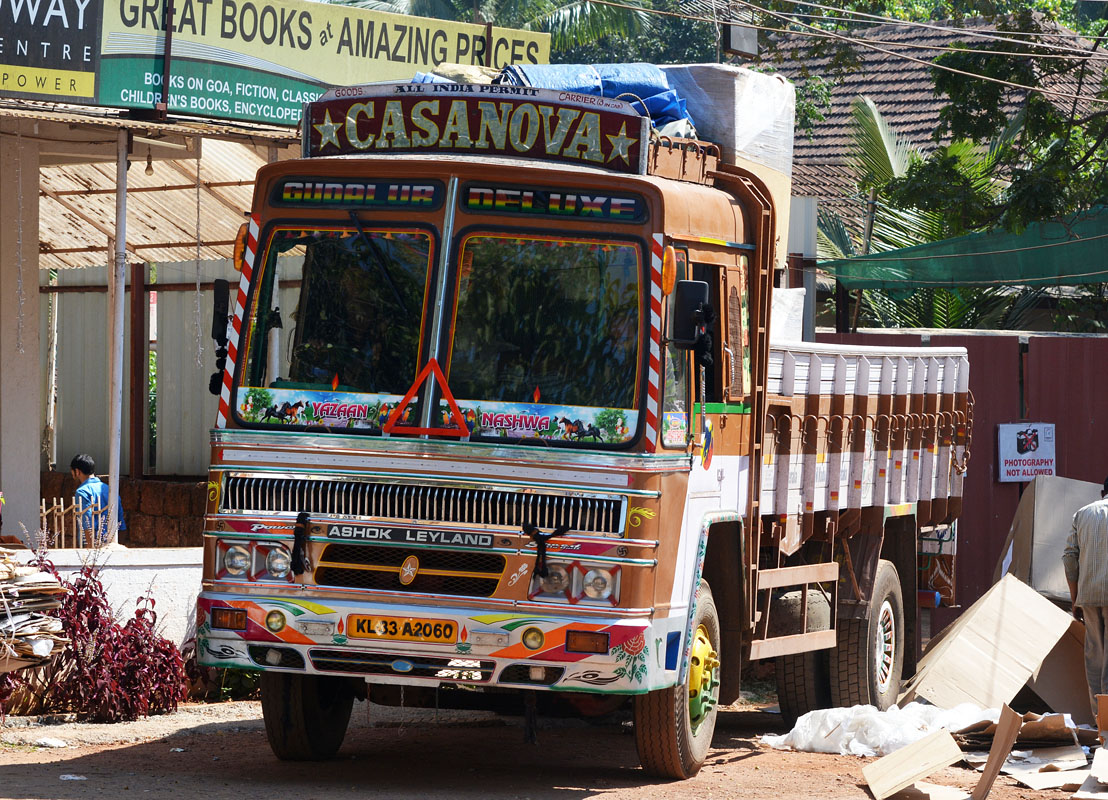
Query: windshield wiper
x=378, y=259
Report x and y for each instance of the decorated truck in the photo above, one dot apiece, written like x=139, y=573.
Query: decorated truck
x=500, y=424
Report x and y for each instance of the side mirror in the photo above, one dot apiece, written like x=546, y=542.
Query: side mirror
x=219, y=333
x=687, y=323
x=219, y=314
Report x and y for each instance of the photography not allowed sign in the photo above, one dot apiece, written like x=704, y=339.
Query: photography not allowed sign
x=1026, y=449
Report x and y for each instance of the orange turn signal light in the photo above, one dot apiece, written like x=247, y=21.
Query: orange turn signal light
x=669, y=270
x=229, y=619
x=240, y=247
x=586, y=642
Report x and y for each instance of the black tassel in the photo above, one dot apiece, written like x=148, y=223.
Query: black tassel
x=300, y=544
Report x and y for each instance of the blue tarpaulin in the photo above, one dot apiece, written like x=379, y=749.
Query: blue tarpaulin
x=643, y=85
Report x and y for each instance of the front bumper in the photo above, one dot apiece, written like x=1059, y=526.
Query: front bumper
x=487, y=650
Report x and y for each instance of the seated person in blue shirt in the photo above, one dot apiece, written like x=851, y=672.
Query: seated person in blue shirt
x=92, y=502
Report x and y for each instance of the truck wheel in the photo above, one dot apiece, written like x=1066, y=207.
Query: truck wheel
x=305, y=715
x=674, y=727
x=803, y=684
x=866, y=666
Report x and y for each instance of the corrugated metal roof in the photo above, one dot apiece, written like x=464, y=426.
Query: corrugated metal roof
x=112, y=119
x=168, y=214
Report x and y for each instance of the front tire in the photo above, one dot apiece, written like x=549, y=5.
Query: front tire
x=305, y=715
x=674, y=727
x=866, y=666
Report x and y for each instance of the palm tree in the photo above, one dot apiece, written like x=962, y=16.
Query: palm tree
x=569, y=22
x=881, y=156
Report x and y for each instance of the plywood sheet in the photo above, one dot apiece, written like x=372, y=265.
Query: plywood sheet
x=899, y=770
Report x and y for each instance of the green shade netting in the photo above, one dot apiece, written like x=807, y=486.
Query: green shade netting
x=1046, y=253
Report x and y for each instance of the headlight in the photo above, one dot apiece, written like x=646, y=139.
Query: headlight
x=556, y=580
x=598, y=584
x=236, y=560
x=278, y=562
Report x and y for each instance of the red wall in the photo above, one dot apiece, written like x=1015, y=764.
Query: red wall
x=1065, y=381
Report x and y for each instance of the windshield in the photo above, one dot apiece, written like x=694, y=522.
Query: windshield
x=543, y=342
x=546, y=336
x=344, y=324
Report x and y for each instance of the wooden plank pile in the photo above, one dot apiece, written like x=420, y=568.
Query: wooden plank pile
x=28, y=635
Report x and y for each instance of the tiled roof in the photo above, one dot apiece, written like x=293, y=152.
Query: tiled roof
x=901, y=89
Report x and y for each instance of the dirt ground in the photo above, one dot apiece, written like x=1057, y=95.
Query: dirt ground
x=219, y=752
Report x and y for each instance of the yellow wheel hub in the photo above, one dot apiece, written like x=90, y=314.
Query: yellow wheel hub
x=703, y=677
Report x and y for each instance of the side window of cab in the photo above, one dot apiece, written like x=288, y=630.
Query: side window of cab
x=675, y=388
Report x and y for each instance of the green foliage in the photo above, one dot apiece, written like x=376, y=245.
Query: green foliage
x=905, y=215
x=1085, y=311
x=1057, y=165
x=666, y=40
x=988, y=308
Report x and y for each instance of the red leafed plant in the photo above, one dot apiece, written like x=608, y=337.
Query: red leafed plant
x=110, y=672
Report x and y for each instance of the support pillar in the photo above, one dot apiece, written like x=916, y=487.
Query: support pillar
x=21, y=408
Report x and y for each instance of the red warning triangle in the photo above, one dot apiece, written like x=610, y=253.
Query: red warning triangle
x=461, y=431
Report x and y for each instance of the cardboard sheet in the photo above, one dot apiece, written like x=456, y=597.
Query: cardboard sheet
x=1092, y=789
x=1100, y=765
x=991, y=651
x=930, y=791
x=1042, y=522
x=1006, y=731
x=898, y=770
x=1068, y=781
x=1060, y=680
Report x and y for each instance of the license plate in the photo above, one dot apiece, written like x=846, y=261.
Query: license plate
x=401, y=629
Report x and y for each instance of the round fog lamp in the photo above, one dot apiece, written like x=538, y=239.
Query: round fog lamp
x=278, y=562
x=533, y=638
x=236, y=560
x=556, y=580
x=598, y=584
x=275, y=621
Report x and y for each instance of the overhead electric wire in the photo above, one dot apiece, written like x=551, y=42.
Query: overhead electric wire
x=995, y=36
x=931, y=64
x=1071, y=54
x=817, y=33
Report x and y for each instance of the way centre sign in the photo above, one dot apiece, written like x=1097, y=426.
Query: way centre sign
x=247, y=60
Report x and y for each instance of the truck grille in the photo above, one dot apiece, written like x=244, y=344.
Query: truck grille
x=422, y=503
x=452, y=572
x=465, y=670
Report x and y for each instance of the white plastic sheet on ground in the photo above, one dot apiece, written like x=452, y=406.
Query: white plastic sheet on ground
x=865, y=731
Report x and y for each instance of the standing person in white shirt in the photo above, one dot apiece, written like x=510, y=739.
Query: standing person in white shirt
x=1086, y=561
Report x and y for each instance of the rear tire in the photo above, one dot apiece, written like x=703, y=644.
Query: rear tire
x=866, y=666
x=305, y=715
x=803, y=684
x=674, y=727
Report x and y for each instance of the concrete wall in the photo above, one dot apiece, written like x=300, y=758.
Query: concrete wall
x=20, y=382
x=157, y=513
x=171, y=575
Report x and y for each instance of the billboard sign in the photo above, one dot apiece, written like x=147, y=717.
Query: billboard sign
x=50, y=49
x=245, y=60
x=482, y=119
x=1026, y=449
x=261, y=60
